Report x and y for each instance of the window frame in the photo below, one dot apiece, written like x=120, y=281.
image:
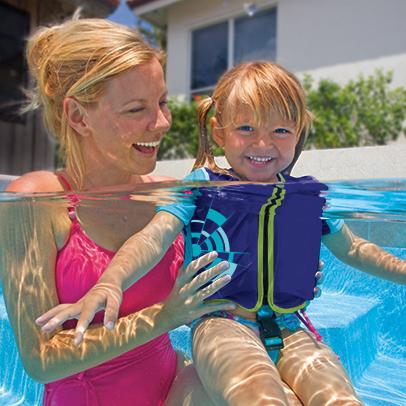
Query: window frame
x=192, y=93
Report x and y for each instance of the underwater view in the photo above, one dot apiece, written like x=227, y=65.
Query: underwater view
x=360, y=316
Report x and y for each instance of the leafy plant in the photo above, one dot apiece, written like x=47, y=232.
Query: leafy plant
x=362, y=112
x=182, y=140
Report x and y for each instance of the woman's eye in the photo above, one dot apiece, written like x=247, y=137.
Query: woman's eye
x=136, y=110
x=163, y=102
x=245, y=128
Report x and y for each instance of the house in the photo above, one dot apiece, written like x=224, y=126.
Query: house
x=24, y=145
x=336, y=39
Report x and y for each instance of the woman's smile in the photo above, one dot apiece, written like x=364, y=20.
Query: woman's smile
x=147, y=148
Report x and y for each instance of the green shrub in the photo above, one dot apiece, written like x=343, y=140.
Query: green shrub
x=362, y=112
x=182, y=140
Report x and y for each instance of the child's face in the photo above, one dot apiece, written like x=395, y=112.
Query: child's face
x=257, y=152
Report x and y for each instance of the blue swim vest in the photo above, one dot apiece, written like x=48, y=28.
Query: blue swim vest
x=270, y=234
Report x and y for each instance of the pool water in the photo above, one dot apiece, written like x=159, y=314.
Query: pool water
x=359, y=316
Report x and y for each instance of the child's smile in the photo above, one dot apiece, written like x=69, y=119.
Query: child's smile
x=258, y=152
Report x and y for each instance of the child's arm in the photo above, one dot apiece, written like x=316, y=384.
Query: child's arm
x=365, y=255
x=141, y=252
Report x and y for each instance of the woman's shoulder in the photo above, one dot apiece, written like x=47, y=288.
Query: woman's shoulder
x=158, y=178
x=35, y=182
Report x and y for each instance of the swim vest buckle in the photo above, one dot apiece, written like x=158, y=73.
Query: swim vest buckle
x=270, y=333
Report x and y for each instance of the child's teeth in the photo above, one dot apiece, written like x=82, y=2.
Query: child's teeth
x=260, y=159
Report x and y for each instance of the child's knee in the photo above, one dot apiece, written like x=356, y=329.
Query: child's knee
x=334, y=397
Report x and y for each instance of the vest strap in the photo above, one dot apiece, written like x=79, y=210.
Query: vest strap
x=270, y=332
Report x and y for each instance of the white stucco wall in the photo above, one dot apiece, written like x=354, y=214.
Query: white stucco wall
x=328, y=38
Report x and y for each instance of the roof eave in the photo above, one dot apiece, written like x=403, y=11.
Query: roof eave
x=153, y=11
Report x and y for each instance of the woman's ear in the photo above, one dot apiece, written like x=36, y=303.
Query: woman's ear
x=76, y=116
x=217, y=133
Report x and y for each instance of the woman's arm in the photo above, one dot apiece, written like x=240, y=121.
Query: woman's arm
x=28, y=254
x=134, y=259
x=365, y=255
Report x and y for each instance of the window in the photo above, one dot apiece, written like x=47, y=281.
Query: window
x=217, y=47
x=209, y=61
x=14, y=27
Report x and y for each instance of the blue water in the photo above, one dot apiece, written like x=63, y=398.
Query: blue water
x=359, y=316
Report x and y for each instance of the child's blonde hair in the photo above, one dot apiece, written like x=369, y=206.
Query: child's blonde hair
x=76, y=59
x=263, y=87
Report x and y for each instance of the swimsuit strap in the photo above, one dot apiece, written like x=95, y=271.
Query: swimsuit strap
x=72, y=198
x=302, y=316
x=66, y=185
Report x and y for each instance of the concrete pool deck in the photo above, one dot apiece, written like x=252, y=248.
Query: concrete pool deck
x=377, y=162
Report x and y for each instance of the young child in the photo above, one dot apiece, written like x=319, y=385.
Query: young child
x=257, y=352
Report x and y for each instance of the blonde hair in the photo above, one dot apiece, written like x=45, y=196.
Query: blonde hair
x=76, y=59
x=263, y=87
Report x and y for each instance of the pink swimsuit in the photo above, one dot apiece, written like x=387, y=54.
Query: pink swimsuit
x=140, y=377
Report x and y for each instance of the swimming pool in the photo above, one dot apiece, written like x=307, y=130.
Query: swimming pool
x=358, y=315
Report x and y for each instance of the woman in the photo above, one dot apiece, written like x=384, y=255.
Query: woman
x=103, y=95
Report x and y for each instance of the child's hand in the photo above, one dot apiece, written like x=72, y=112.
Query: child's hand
x=186, y=301
x=101, y=296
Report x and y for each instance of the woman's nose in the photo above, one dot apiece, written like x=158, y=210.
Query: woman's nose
x=161, y=121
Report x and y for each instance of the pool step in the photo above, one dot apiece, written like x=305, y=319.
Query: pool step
x=383, y=382
x=348, y=325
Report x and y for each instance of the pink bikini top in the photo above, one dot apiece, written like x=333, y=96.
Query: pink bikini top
x=80, y=262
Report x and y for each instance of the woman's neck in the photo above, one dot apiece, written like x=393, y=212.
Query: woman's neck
x=106, y=179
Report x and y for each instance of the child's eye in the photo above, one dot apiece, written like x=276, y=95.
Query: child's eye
x=282, y=131
x=246, y=128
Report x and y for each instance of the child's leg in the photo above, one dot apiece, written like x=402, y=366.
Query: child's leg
x=234, y=366
x=293, y=400
x=187, y=389
x=314, y=373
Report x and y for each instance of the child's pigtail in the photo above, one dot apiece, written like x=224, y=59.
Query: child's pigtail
x=204, y=153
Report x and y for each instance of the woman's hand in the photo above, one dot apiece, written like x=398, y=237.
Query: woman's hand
x=187, y=299
x=319, y=279
x=184, y=304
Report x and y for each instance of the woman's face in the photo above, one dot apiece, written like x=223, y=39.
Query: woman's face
x=128, y=122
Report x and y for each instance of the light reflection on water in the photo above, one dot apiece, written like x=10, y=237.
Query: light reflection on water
x=383, y=200
x=379, y=200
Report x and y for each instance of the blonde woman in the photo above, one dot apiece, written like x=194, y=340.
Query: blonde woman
x=103, y=95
